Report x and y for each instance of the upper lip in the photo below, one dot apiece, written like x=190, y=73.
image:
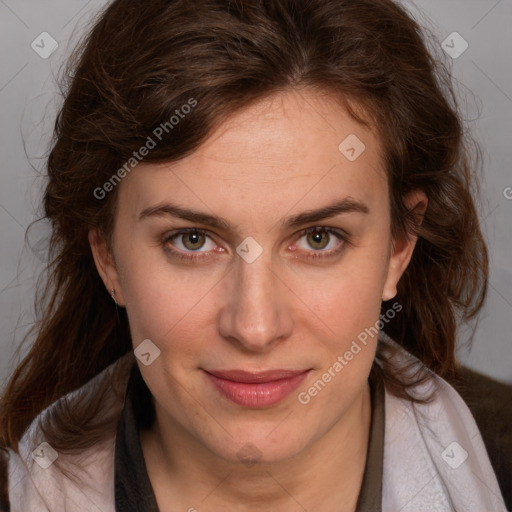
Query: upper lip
x=254, y=377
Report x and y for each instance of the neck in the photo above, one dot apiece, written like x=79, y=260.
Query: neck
x=184, y=472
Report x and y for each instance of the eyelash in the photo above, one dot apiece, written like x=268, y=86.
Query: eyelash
x=203, y=255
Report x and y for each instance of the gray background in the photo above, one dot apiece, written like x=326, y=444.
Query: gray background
x=28, y=102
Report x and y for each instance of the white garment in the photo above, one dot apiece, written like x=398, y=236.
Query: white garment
x=434, y=460
x=434, y=456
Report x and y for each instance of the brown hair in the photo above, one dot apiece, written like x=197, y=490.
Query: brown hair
x=140, y=63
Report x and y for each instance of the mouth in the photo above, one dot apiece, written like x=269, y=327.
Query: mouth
x=256, y=390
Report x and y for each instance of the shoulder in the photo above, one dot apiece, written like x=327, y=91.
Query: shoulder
x=42, y=478
x=430, y=438
x=490, y=402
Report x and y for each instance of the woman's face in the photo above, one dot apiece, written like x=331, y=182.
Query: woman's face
x=247, y=288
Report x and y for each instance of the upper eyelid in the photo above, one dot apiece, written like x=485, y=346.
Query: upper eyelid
x=334, y=231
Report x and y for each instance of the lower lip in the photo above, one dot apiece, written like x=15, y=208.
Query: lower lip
x=263, y=394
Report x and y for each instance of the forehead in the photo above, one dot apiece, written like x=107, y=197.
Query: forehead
x=291, y=146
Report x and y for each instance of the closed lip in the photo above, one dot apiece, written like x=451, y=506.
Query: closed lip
x=252, y=378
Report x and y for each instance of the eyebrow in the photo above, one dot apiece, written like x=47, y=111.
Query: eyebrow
x=345, y=205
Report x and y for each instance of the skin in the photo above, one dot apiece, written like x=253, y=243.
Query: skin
x=275, y=159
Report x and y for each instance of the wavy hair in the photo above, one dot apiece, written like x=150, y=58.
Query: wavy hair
x=139, y=63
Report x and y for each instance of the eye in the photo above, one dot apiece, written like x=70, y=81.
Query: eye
x=325, y=242
x=318, y=239
x=191, y=240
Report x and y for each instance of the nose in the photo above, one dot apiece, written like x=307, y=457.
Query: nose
x=256, y=314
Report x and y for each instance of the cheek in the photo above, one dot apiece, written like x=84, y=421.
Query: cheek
x=348, y=298
x=348, y=307
x=161, y=298
x=162, y=310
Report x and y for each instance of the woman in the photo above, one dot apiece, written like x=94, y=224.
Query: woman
x=263, y=234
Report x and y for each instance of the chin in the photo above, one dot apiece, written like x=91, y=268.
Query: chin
x=250, y=450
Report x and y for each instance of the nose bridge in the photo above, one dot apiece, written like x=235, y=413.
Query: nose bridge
x=256, y=286
x=255, y=314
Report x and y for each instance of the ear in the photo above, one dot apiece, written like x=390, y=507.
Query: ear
x=105, y=264
x=401, y=249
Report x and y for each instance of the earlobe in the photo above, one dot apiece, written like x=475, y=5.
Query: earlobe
x=401, y=253
x=389, y=292
x=403, y=248
x=105, y=265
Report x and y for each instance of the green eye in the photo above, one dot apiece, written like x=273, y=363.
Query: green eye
x=193, y=240
x=190, y=245
x=318, y=239
x=321, y=242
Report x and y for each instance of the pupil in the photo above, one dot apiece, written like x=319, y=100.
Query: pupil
x=317, y=238
x=191, y=239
